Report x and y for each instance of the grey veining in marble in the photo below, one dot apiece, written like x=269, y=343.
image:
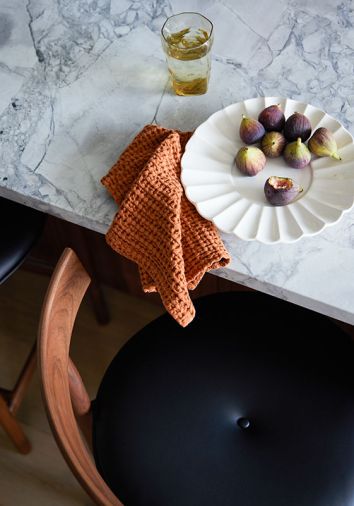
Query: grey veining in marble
x=80, y=79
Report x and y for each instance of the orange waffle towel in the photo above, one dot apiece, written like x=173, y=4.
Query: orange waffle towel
x=156, y=226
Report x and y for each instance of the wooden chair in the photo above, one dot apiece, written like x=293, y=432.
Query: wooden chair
x=64, y=393
x=21, y=227
x=252, y=403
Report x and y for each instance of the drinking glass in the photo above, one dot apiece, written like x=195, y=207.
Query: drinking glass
x=187, y=39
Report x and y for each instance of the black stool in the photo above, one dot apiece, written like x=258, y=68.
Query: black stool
x=251, y=404
x=21, y=227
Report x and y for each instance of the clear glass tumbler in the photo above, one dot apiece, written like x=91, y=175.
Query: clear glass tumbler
x=187, y=39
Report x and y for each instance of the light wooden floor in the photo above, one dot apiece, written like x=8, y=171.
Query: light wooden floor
x=42, y=477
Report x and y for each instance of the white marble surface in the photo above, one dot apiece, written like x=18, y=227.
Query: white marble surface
x=80, y=79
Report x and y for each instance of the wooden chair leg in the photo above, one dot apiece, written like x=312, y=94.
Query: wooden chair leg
x=10, y=401
x=13, y=428
x=23, y=381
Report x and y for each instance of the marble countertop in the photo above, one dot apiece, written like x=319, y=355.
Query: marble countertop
x=80, y=79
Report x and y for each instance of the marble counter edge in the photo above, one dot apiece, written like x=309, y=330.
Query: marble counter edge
x=226, y=273
x=286, y=294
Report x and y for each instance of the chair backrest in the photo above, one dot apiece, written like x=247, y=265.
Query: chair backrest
x=65, y=397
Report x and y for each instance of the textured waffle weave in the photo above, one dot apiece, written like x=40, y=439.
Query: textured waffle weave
x=156, y=226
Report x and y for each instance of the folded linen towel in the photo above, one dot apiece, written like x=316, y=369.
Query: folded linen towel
x=156, y=226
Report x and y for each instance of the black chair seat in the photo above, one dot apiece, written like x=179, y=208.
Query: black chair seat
x=251, y=404
x=21, y=226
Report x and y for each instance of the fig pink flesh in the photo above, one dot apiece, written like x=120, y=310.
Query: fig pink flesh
x=280, y=191
x=280, y=182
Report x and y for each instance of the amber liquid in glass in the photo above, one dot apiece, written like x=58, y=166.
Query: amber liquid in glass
x=189, y=61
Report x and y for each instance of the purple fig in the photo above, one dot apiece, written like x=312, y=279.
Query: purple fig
x=250, y=160
x=297, y=125
x=280, y=191
x=273, y=144
x=322, y=143
x=272, y=118
x=251, y=130
x=297, y=155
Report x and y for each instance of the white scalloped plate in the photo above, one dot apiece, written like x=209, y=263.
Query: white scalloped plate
x=236, y=202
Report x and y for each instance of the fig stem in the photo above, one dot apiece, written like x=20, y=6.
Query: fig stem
x=298, y=141
x=243, y=116
x=335, y=156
